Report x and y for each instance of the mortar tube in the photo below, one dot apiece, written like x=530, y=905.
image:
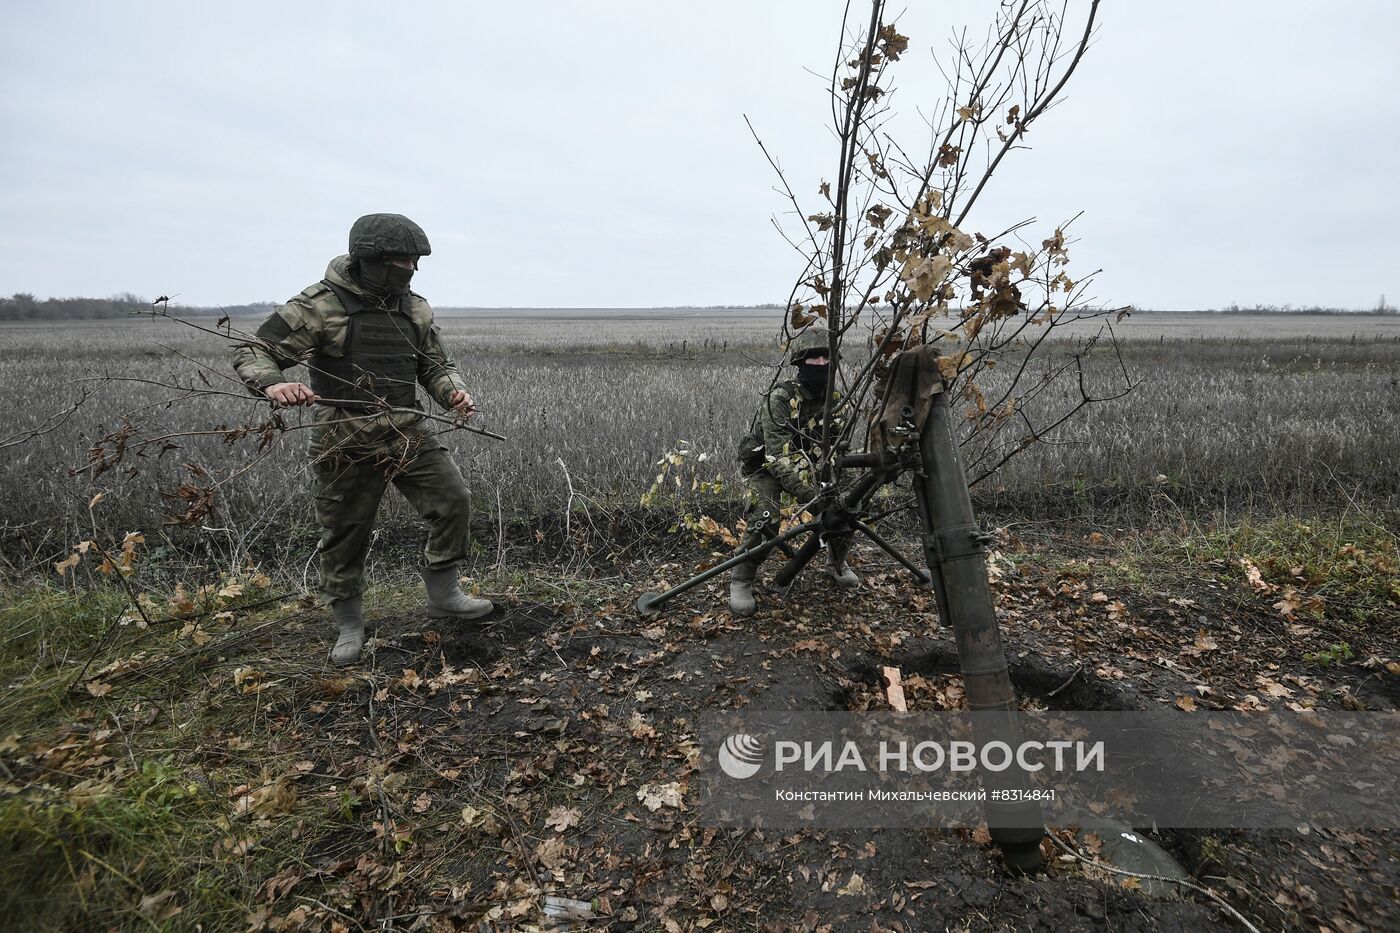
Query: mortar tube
x=954, y=547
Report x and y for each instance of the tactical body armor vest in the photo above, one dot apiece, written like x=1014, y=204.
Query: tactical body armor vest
x=751, y=447
x=380, y=364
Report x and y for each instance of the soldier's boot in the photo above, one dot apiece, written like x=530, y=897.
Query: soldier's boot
x=446, y=599
x=741, y=601
x=837, y=569
x=349, y=617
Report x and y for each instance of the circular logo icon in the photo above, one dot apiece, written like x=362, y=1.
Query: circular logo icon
x=741, y=755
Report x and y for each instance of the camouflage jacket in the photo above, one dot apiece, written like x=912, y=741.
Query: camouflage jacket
x=315, y=321
x=785, y=428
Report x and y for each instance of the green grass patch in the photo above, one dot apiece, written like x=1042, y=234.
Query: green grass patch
x=49, y=633
x=154, y=790
x=1344, y=568
x=133, y=852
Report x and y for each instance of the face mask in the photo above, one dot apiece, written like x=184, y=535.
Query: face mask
x=381, y=278
x=812, y=377
x=399, y=277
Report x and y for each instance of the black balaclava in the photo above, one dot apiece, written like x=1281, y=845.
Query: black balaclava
x=812, y=376
x=379, y=277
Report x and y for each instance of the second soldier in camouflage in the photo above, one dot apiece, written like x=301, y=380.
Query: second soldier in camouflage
x=776, y=459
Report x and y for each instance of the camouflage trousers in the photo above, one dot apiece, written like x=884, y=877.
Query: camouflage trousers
x=348, y=493
x=765, y=495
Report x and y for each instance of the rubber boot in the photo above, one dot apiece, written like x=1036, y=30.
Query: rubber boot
x=349, y=617
x=741, y=601
x=446, y=599
x=837, y=569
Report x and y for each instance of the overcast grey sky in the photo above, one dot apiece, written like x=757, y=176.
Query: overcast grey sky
x=594, y=154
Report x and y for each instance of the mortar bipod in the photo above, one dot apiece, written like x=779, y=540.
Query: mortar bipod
x=846, y=515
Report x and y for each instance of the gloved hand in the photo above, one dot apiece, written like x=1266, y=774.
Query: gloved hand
x=816, y=498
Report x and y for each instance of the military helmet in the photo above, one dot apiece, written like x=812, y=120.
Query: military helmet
x=809, y=341
x=387, y=235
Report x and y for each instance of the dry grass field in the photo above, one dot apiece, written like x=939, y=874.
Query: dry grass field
x=1233, y=414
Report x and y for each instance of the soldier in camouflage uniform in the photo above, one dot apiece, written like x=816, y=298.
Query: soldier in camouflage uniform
x=369, y=342
x=774, y=461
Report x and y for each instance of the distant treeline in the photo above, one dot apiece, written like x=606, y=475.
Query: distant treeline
x=1380, y=308
x=25, y=307
x=730, y=307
